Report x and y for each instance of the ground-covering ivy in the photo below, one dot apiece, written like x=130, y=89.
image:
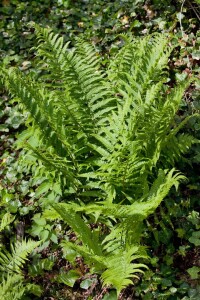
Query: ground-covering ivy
x=173, y=233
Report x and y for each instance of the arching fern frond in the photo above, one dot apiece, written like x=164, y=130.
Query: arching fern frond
x=11, y=262
x=12, y=287
x=78, y=72
x=121, y=268
x=6, y=220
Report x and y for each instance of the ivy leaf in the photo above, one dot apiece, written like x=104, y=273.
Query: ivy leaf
x=194, y=272
x=196, y=55
x=54, y=238
x=69, y=278
x=195, y=238
x=44, y=234
x=40, y=221
x=180, y=16
x=85, y=284
x=111, y=296
x=36, y=230
x=194, y=217
x=181, y=76
x=4, y=128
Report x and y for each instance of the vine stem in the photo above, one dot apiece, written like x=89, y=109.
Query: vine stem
x=181, y=26
x=182, y=32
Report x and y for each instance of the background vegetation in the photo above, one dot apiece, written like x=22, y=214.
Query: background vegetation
x=173, y=233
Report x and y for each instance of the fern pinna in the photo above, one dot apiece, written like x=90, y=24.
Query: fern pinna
x=110, y=136
x=12, y=282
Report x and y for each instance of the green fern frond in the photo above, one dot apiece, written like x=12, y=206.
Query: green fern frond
x=97, y=261
x=71, y=217
x=177, y=146
x=121, y=269
x=127, y=232
x=158, y=192
x=80, y=69
x=110, y=136
x=144, y=59
x=12, y=287
x=12, y=262
x=142, y=207
x=6, y=220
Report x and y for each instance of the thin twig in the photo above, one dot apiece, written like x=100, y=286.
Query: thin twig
x=182, y=32
x=194, y=9
x=180, y=19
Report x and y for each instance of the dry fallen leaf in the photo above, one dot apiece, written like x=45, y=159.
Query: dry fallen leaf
x=125, y=20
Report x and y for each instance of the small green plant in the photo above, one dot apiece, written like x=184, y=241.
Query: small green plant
x=11, y=275
x=109, y=138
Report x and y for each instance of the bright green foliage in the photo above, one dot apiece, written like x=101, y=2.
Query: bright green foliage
x=12, y=262
x=111, y=139
x=12, y=288
x=6, y=220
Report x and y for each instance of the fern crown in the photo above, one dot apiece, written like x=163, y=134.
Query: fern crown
x=110, y=138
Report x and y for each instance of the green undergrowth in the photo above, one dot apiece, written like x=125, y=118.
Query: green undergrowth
x=171, y=233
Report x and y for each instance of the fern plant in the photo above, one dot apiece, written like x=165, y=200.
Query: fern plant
x=12, y=287
x=11, y=274
x=109, y=137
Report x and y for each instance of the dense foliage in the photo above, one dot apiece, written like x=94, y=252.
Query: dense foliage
x=28, y=186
